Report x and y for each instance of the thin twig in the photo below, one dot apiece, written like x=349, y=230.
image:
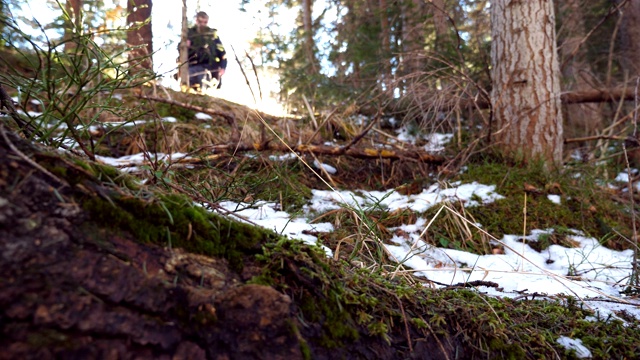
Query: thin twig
x=362, y=134
x=243, y=73
x=24, y=157
x=255, y=72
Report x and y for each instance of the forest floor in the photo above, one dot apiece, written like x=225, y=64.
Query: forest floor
x=99, y=263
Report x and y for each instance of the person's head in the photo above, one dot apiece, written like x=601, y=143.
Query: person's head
x=202, y=19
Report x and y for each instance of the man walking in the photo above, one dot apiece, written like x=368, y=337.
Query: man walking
x=207, y=56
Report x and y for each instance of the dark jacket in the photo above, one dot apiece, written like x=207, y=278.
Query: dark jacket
x=206, y=48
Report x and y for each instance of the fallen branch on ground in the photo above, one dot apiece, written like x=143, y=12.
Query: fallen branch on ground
x=360, y=153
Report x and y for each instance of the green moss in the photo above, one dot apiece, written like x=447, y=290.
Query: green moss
x=173, y=221
x=506, y=349
x=178, y=112
x=585, y=206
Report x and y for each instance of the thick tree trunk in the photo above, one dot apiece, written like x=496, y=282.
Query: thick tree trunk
x=140, y=34
x=581, y=119
x=526, y=84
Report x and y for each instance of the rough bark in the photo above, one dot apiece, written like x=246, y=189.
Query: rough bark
x=140, y=34
x=77, y=283
x=581, y=119
x=526, y=83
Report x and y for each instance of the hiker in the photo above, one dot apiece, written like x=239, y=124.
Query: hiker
x=207, y=57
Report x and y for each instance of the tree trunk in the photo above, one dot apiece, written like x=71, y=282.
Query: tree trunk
x=74, y=9
x=630, y=39
x=183, y=70
x=441, y=24
x=307, y=24
x=526, y=84
x=140, y=34
x=413, y=37
x=581, y=119
x=385, y=51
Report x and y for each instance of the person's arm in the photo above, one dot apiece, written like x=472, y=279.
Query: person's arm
x=219, y=53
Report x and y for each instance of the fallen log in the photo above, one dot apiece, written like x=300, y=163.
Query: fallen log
x=588, y=96
x=361, y=153
x=399, y=107
x=598, y=95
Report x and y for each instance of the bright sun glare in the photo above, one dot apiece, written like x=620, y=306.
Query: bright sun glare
x=236, y=28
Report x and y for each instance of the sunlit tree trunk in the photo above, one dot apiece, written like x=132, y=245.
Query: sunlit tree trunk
x=580, y=119
x=630, y=38
x=526, y=82
x=74, y=9
x=140, y=34
x=183, y=70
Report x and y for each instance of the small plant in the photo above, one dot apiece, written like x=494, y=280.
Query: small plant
x=75, y=81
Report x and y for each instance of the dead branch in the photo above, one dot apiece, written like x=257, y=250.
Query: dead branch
x=364, y=153
x=593, y=138
x=479, y=102
x=597, y=95
x=244, y=74
x=575, y=97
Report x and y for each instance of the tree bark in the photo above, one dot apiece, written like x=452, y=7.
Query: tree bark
x=413, y=37
x=307, y=24
x=526, y=83
x=441, y=24
x=140, y=34
x=74, y=9
x=183, y=70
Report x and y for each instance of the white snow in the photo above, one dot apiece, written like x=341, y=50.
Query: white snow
x=554, y=199
x=203, y=116
x=266, y=215
x=575, y=344
x=127, y=163
x=328, y=168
